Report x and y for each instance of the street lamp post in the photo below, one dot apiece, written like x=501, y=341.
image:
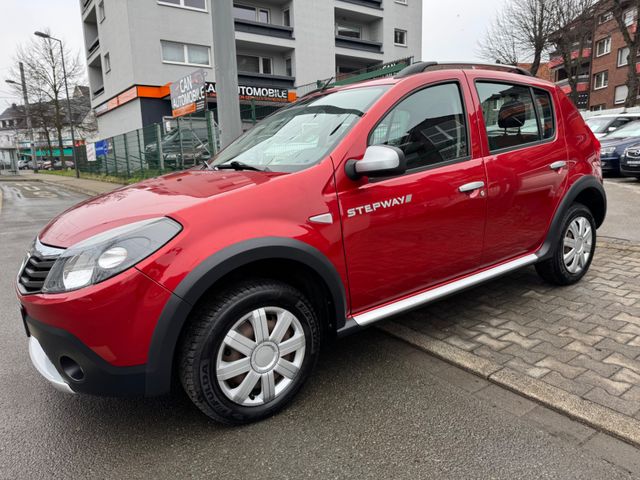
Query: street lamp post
x=25, y=96
x=66, y=87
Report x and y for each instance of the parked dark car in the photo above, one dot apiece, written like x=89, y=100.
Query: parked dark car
x=180, y=150
x=614, y=145
x=630, y=161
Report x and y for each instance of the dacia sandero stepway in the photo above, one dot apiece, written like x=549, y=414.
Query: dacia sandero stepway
x=349, y=206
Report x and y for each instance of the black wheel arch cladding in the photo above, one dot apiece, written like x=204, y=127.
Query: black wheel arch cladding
x=204, y=276
x=587, y=190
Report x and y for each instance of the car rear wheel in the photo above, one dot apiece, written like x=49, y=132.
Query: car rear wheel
x=573, y=251
x=247, y=352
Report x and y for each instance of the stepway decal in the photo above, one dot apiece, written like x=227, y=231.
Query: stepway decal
x=372, y=207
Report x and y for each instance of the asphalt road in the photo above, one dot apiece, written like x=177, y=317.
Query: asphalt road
x=375, y=408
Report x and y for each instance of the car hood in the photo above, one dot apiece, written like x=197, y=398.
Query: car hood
x=162, y=196
x=618, y=142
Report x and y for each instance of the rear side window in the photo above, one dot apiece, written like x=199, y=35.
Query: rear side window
x=511, y=117
x=429, y=126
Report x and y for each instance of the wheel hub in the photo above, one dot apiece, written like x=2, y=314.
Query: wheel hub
x=264, y=357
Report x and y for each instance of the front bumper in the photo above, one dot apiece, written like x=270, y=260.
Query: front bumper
x=632, y=170
x=72, y=367
x=45, y=367
x=610, y=164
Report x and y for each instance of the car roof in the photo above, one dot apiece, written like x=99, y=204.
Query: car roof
x=615, y=115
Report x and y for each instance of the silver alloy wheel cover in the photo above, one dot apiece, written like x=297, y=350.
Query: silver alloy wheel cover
x=262, y=357
x=577, y=245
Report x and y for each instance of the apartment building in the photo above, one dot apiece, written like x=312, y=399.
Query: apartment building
x=136, y=48
x=602, y=71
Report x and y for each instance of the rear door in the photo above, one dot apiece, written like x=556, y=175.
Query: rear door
x=405, y=233
x=526, y=164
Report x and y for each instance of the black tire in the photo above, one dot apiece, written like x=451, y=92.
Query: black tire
x=210, y=323
x=554, y=270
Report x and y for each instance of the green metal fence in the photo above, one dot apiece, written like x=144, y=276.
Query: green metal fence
x=187, y=141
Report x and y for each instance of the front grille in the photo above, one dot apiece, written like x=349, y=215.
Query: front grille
x=38, y=265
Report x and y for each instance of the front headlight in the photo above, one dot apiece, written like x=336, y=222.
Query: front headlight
x=109, y=253
x=605, y=151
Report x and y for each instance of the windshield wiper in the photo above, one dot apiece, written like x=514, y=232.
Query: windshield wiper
x=235, y=165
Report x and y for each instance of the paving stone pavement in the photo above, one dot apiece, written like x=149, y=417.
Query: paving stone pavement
x=583, y=339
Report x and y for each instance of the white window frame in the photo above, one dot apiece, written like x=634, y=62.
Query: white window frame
x=182, y=5
x=605, y=84
x=355, y=26
x=257, y=11
x=629, y=21
x=623, y=62
x=406, y=37
x=107, y=62
x=402, y=2
x=605, y=17
x=260, y=65
x=615, y=90
x=185, y=47
x=604, y=41
x=101, y=12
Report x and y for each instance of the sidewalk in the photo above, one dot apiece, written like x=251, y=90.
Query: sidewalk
x=80, y=185
x=574, y=349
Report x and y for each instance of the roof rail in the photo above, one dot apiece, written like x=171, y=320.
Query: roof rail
x=424, y=66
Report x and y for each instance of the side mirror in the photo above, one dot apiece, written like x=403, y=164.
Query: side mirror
x=378, y=161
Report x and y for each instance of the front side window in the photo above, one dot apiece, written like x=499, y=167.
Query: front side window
x=300, y=136
x=509, y=115
x=429, y=126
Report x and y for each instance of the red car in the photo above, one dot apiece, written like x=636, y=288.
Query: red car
x=352, y=205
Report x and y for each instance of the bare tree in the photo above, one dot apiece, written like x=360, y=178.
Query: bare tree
x=42, y=61
x=519, y=32
x=632, y=40
x=573, y=25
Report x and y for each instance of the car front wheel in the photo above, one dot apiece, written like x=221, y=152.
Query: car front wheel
x=573, y=252
x=248, y=351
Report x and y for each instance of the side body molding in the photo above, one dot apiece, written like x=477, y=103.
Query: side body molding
x=200, y=279
x=582, y=185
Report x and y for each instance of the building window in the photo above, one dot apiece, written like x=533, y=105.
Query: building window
x=603, y=46
x=253, y=14
x=402, y=2
x=400, y=37
x=601, y=80
x=351, y=31
x=620, y=94
x=623, y=56
x=605, y=17
x=107, y=62
x=629, y=17
x=597, y=108
x=174, y=52
x=288, y=67
x=253, y=64
x=192, y=4
x=101, y=15
x=286, y=17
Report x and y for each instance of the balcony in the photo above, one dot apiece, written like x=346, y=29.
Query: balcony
x=264, y=80
x=556, y=61
x=358, y=44
x=260, y=28
x=93, y=47
x=377, y=4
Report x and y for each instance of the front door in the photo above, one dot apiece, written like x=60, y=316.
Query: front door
x=406, y=233
x=526, y=166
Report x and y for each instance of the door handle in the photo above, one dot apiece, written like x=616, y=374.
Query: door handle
x=558, y=165
x=470, y=187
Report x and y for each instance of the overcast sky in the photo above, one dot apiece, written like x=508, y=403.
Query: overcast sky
x=450, y=29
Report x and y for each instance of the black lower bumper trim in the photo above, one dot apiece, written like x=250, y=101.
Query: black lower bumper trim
x=100, y=378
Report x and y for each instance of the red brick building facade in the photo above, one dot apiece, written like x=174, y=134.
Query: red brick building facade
x=603, y=73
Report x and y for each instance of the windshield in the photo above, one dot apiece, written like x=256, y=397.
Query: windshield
x=299, y=136
x=631, y=129
x=598, y=125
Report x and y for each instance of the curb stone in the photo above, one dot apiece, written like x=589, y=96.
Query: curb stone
x=596, y=416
